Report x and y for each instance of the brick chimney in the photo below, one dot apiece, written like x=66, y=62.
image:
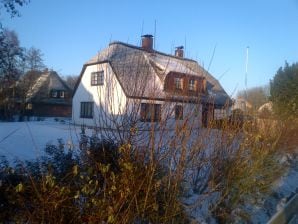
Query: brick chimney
x=179, y=52
x=147, y=42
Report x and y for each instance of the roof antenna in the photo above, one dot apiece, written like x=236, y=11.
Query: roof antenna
x=185, y=45
x=246, y=67
x=142, y=30
x=154, y=33
x=111, y=36
x=211, y=60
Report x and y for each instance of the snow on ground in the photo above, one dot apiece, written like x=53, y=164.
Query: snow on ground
x=282, y=191
x=27, y=140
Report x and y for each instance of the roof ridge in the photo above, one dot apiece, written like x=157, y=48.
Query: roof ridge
x=153, y=52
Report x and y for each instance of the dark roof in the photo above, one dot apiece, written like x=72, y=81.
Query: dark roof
x=137, y=68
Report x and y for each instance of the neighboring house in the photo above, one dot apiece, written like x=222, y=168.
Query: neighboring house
x=242, y=104
x=125, y=84
x=47, y=95
x=266, y=110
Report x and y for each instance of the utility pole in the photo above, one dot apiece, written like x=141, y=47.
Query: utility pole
x=245, y=81
x=246, y=67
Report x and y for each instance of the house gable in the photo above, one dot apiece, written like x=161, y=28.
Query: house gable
x=109, y=98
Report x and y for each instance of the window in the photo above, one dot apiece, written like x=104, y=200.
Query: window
x=62, y=94
x=86, y=110
x=178, y=83
x=57, y=93
x=29, y=106
x=192, y=85
x=97, y=78
x=179, y=112
x=54, y=94
x=150, y=112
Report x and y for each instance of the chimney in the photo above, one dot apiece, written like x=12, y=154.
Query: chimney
x=147, y=42
x=179, y=52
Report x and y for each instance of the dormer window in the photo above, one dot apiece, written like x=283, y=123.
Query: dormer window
x=57, y=94
x=178, y=83
x=62, y=94
x=192, y=85
x=54, y=94
x=97, y=78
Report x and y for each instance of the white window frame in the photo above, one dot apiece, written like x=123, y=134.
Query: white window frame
x=192, y=85
x=62, y=94
x=178, y=83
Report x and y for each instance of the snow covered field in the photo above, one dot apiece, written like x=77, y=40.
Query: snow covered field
x=27, y=140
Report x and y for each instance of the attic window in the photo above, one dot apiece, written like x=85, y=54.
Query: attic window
x=97, y=78
x=178, y=83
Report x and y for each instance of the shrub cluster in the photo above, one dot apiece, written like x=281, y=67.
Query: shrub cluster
x=110, y=183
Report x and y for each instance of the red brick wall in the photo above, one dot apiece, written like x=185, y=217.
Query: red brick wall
x=47, y=110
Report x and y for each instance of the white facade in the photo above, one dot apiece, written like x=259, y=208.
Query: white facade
x=222, y=113
x=109, y=99
x=113, y=109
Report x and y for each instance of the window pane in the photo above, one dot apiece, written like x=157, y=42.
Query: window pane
x=192, y=84
x=61, y=94
x=54, y=93
x=150, y=112
x=157, y=112
x=86, y=110
x=178, y=112
x=178, y=83
x=101, y=78
x=97, y=78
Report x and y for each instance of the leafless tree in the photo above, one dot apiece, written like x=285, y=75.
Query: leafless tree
x=11, y=57
x=257, y=96
x=34, y=59
x=71, y=80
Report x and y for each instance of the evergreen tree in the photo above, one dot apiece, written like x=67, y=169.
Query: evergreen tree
x=284, y=91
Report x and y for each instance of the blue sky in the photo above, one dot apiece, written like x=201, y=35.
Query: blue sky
x=70, y=32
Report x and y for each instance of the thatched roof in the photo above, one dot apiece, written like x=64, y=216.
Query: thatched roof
x=42, y=86
x=142, y=73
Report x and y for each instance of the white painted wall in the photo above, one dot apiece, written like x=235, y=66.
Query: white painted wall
x=109, y=99
x=222, y=113
x=192, y=114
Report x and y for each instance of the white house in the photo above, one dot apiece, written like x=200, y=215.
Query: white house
x=125, y=85
x=242, y=104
